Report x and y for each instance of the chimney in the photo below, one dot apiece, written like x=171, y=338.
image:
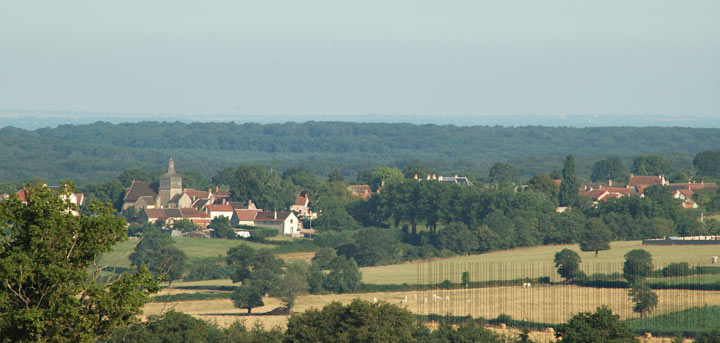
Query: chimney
x=434, y=176
x=631, y=175
x=275, y=215
x=427, y=177
x=456, y=175
x=440, y=177
x=415, y=177
x=610, y=182
x=224, y=201
x=209, y=192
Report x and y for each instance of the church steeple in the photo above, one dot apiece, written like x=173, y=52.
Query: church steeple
x=171, y=167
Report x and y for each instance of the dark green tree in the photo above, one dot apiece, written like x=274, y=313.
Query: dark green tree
x=570, y=185
x=127, y=176
x=336, y=176
x=644, y=298
x=377, y=177
x=248, y=296
x=707, y=164
x=638, y=265
x=359, y=321
x=595, y=237
x=294, y=282
x=600, y=327
x=47, y=293
x=157, y=251
x=503, y=174
x=567, y=263
x=171, y=327
x=542, y=183
x=650, y=165
x=222, y=228
x=611, y=168
x=457, y=238
x=266, y=188
x=709, y=337
x=261, y=268
x=185, y=225
x=344, y=276
x=372, y=247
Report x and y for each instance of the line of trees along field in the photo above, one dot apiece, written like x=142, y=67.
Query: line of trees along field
x=95, y=152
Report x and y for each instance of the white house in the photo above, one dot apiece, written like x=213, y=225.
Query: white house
x=217, y=210
x=286, y=222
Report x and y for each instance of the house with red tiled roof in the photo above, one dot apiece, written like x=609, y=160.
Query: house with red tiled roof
x=286, y=222
x=638, y=180
x=217, y=210
x=360, y=191
x=302, y=205
x=244, y=217
x=686, y=195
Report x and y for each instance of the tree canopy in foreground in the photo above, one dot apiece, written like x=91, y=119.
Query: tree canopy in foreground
x=48, y=294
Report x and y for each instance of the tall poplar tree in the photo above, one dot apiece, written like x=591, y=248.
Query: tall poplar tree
x=570, y=185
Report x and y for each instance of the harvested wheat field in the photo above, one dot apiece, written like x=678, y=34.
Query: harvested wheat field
x=531, y=262
x=551, y=304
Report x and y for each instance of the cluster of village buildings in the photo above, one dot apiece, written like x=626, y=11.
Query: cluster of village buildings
x=169, y=202
x=637, y=186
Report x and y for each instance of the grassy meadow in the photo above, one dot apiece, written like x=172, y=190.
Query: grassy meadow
x=531, y=262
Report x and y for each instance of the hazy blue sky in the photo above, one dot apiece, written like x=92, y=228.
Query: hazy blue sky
x=339, y=57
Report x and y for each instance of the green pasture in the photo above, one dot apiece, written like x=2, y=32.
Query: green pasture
x=194, y=248
x=531, y=263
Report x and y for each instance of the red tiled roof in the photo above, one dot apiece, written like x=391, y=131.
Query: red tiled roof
x=557, y=181
x=246, y=215
x=302, y=198
x=222, y=194
x=219, y=208
x=621, y=190
x=270, y=216
x=645, y=180
x=22, y=195
x=363, y=191
x=193, y=213
x=156, y=213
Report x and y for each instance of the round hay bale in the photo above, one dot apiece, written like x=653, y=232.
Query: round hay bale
x=648, y=335
x=503, y=326
x=549, y=330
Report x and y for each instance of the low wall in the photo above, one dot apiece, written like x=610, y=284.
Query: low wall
x=680, y=242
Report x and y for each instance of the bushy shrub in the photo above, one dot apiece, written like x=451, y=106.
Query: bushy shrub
x=210, y=271
x=677, y=269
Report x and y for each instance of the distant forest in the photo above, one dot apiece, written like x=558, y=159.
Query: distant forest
x=98, y=152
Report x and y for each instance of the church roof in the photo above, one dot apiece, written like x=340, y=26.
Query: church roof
x=141, y=188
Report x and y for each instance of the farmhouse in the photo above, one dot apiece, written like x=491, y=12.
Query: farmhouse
x=286, y=222
x=302, y=205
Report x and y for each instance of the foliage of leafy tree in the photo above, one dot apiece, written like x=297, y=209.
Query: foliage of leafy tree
x=344, y=276
x=458, y=238
x=294, y=283
x=248, y=296
x=544, y=184
x=567, y=263
x=264, y=187
x=650, y=165
x=336, y=176
x=611, y=168
x=302, y=178
x=709, y=337
x=185, y=225
x=638, y=265
x=596, y=236
x=644, y=298
x=416, y=168
x=372, y=247
x=127, y=176
x=195, y=179
x=466, y=332
x=602, y=326
x=261, y=267
x=171, y=327
x=359, y=321
x=47, y=294
x=331, y=201
x=570, y=185
x=503, y=173
x=376, y=177
x=111, y=192
x=222, y=228
x=707, y=164
x=157, y=251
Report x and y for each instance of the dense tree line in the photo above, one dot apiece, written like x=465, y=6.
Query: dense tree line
x=95, y=152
